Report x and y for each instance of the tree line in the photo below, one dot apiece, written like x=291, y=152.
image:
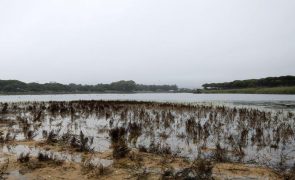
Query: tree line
x=253, y=83
x=15, y=86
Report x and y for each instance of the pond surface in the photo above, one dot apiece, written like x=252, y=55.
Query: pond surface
x=263, y=100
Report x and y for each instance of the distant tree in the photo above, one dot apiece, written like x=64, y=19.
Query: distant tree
x=126, y=86
x=14, y=86
x=264, y=82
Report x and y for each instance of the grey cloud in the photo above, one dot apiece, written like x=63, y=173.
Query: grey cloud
x=187, y=42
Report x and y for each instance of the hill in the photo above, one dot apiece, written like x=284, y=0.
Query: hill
x=254, y=83
x=269, y=85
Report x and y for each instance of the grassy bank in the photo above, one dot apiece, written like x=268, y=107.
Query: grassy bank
x=264, y=90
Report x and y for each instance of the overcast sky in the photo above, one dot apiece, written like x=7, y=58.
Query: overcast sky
x=183, y=42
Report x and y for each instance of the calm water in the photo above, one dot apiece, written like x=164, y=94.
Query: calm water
x=279, y=101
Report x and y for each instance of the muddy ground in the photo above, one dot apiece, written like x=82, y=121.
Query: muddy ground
x=136, y=165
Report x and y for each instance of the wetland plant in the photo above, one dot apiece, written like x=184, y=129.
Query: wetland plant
x=120, y=150
x=24, y=157
x=5, y=108
x=6, y=138
x=52, y=137
x=220, y=154
x=135, y=130
x=3, y=168
x=157, y=148
x=200, y=169
x=197, y=125
x=96, y=171
x=83, y=144
x=49, y=158
x=119, y=144
x=30, y=135
x=290, y=175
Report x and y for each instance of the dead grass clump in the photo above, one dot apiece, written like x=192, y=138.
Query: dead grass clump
x=6, y=138
x=141, y=174
x=65, y=138
x=136, y=158
x=52, y=137
x=258, y=137
x=83, y=144
x=142, y=149
x=30, y=135
x=239, y=152
x=43, y=157
x=181, y=136
x=159, y=149
x=3, y=168
x=119, y=144
x=94, y=171
x=53, y=108
x=134, y=132
x=117, y=134
x=220, y=154
x=244, y=137
x=2, y=138
x=290, y=175
x=49, y=158
x=203, y=167
x=5, y=108
x=120, y=150
x=168, y=174
x=37, y=116
x=24, y=157
x=200, y=169
x=43, y=160
x=287, y=133
x=164, y=135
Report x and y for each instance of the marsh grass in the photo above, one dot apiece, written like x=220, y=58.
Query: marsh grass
x=52, y=137
x=200, y=169
x=232, y=129
x=81, y=144
x=135, y=130
x=4, y=168
x=43, y=160
x=93, y=170
x=220, y=154
x=8, y=137
x=120, y=150
x=290, y=175
x=49, y=159
x=31, y=135
x=24, y=157
x=119, y=144
x=158, y=148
